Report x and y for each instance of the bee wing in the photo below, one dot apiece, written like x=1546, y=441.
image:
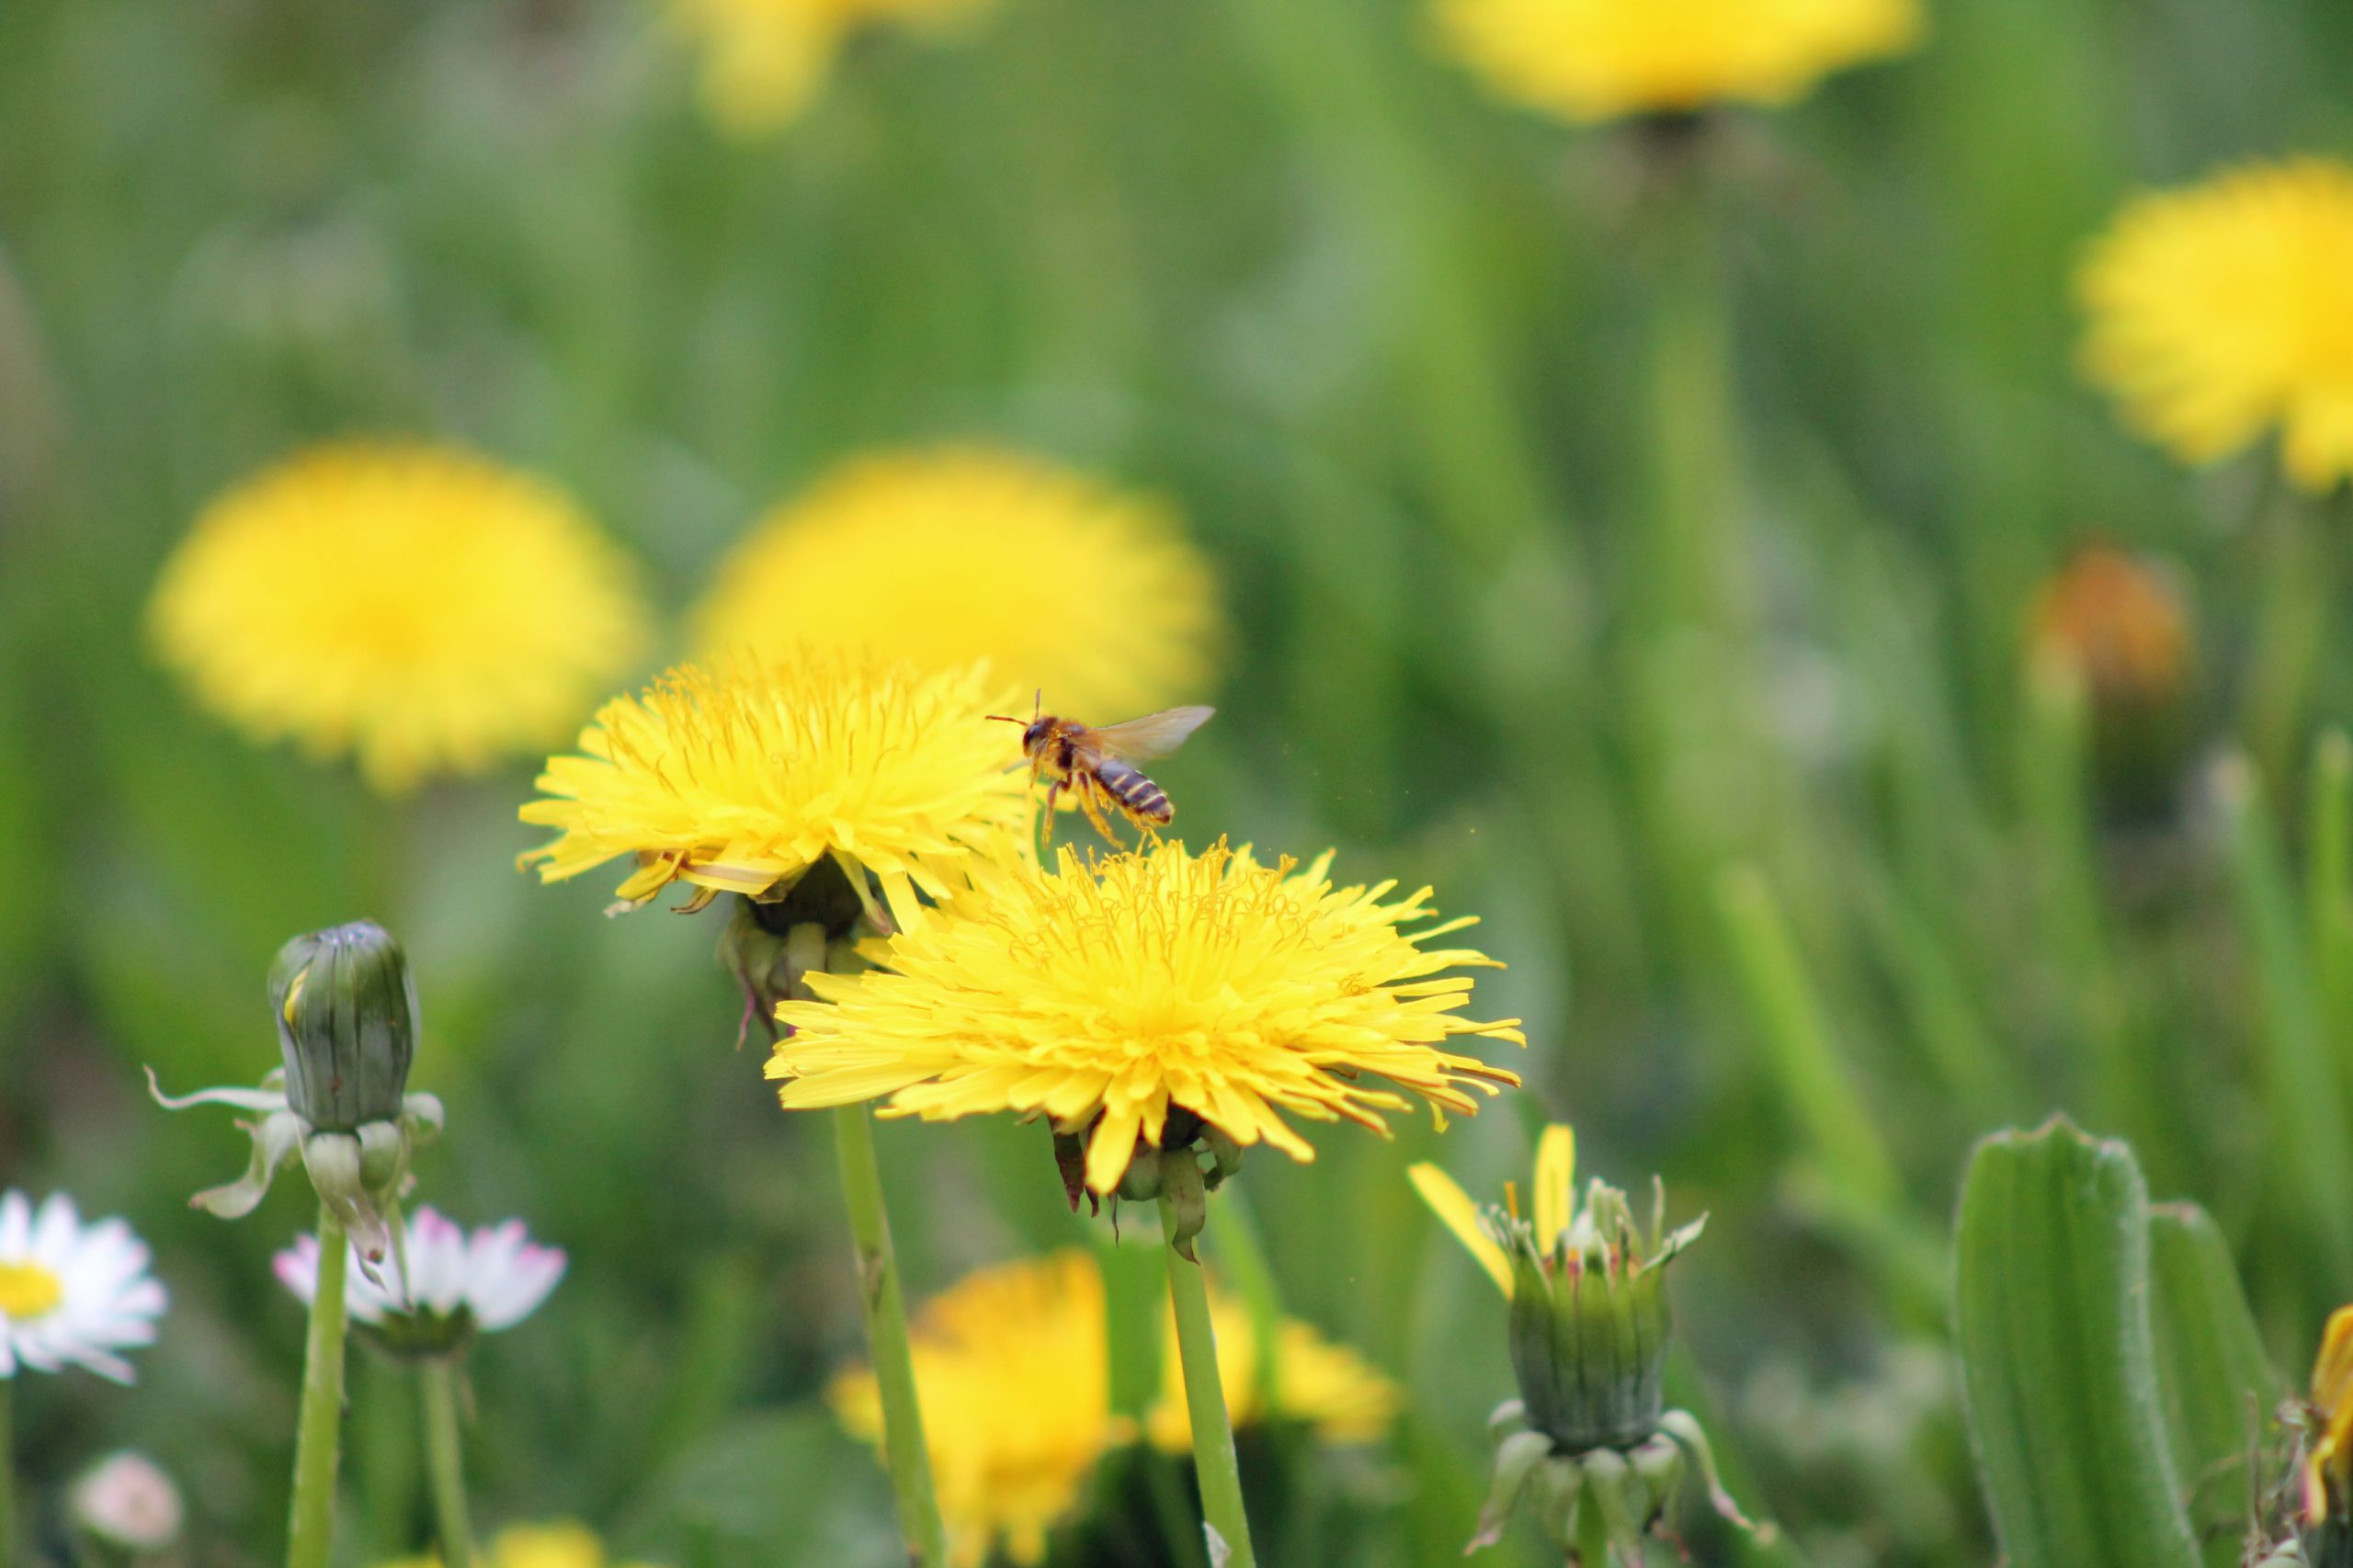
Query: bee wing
x=1155, y=734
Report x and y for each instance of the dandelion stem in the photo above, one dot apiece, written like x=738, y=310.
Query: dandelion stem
x=1213, y=1458
x=886, y=1338
x=445, y=1462
x=317, y=1437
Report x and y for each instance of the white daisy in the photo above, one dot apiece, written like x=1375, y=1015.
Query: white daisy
x=441, y=1285
x=70, y=1293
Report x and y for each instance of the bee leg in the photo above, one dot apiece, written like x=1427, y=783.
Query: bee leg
x=1088, y=802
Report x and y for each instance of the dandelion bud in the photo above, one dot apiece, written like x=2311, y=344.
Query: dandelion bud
x=128, y=1502
x=1589, y=1448
x=1589, y=1326
x=346, y=1024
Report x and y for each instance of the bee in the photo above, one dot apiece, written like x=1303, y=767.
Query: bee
x=1099, y=765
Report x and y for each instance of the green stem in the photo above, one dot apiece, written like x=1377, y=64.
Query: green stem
x=7, y=1476
x=2328, y=875
x=445, y=1461
x=316, y=1441
x=2310, y=1131
x=1213, y=1459
x=886, y=1338
x=2292, y=634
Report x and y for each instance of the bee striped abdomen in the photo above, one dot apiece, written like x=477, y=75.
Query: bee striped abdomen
x=1137, y=795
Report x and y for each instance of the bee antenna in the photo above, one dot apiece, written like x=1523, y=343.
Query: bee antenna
x=1037, y=703
x=1002, y=719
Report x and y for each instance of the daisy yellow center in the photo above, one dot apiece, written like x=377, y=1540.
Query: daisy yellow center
x=29, y=1290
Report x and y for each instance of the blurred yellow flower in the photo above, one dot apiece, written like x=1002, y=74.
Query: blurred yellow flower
x=740, y=779
x=562, y=1544
x=964, y=553
x=421, y=609
x=763, y=61
x=2328, y=1467
x=2223, y=310
x=1318, y=1384
x=1589, y=60
x=1012, y=1365
x=1123, y=995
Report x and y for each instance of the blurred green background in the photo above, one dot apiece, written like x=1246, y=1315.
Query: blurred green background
x=1584, y=542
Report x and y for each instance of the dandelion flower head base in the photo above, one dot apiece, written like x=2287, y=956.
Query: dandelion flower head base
x=1107, y=996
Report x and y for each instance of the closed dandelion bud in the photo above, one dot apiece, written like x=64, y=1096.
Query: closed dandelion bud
x=346, y=1010
x=1589, y=1449
x=346, y=1024
x=1589, y=1324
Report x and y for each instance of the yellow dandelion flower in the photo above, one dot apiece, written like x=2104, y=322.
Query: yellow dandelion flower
x=1327, y=1387
x=1013, y=1368
x=948, y=556
x=561, y=1544
x=1147, y=991
x=764, y=60
x=1591, y=60
x=740, y=779
x=2328, y=1467
x=421, y=609
x=2220, y=312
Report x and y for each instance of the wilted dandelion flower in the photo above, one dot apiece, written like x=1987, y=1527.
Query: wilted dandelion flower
x=765, y=60
x=70, y=1293
x=1013, y=1366
x=1139, y=1000
x=2116, y=622
x=740, y=779
x=422, y=611
x=1327, y=1388
x=2219, y=312
x=948, y=556
x=559, y=1544
x=1589, y=60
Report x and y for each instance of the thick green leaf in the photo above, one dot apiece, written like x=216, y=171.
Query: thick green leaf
x=2052, y=1318
x=2218, y=1384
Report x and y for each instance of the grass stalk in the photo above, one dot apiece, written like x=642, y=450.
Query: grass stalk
x=1848, y=1143
x=2302, y=1087
x=7, y=1475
